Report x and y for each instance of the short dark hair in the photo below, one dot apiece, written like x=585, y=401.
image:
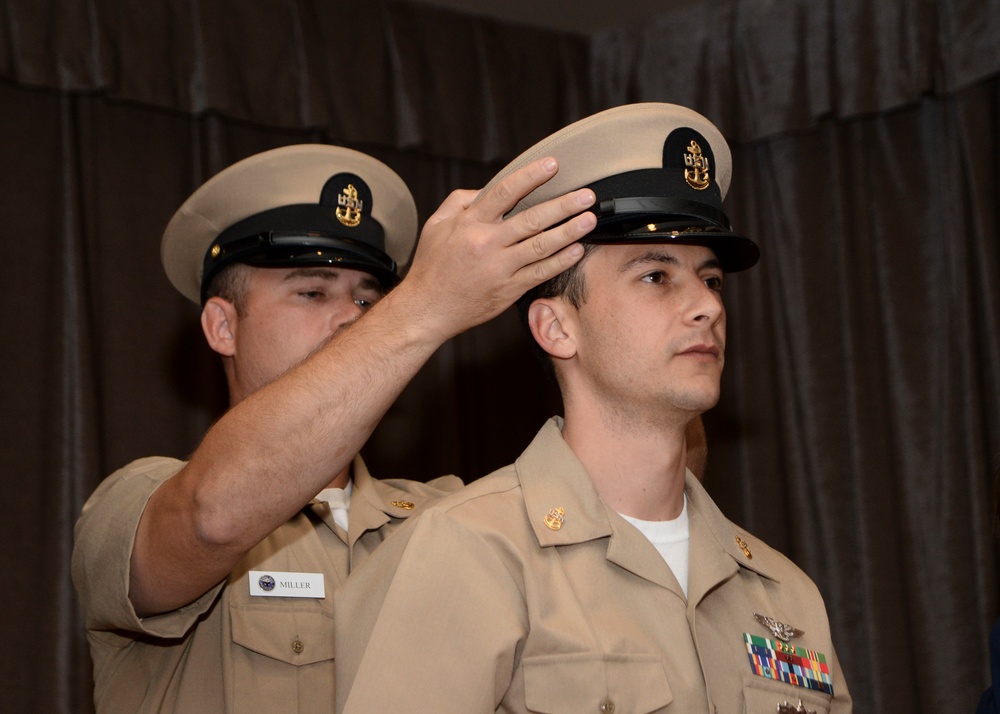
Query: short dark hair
x=569, y=284
x=231, y=283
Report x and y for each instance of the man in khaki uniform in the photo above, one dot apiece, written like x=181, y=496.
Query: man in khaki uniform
x=208, y=585
x=595, y=574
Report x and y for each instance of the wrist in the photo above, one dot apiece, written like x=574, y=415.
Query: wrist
x=412, y=309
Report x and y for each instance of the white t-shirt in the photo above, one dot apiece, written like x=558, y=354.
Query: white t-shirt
x=671, y=539
x=340, y=501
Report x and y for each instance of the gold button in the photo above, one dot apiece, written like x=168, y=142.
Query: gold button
x=297, y=646
x=607, y=707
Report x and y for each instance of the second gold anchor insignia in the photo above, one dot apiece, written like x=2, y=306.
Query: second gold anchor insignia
x=554, y=518
x=349, y=207
x=697, y=172
x=405, y=505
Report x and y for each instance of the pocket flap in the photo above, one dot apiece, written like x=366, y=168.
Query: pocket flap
x=295, y=637
x=569, y=684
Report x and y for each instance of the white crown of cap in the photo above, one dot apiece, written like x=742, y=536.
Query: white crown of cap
x=285, y=176
x=611, y=142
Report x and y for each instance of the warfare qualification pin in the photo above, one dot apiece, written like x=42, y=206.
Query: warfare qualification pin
x=780, y=630
x=787, y=708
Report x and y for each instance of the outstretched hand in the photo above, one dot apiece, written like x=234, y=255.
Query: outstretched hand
x=471, y=263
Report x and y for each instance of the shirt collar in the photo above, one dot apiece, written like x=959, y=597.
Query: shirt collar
x=552, y=478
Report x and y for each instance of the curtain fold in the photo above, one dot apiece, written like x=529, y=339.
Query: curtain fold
x=759, y=68
x=373, y=73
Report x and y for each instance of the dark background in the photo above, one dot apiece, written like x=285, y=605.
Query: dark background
x=859, y=428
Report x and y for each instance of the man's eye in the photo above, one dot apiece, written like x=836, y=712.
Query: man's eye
x=311, y=294
x=366, y=301
x=656, y=276
x=714, y=283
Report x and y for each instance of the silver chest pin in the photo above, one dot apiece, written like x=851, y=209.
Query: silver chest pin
x=780, y=630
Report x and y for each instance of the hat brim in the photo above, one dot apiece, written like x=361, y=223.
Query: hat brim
x=734, y=252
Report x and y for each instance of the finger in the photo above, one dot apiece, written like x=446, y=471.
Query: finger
x=548, y=254
x=497, y=199
x=542, y=217
x=542, y=245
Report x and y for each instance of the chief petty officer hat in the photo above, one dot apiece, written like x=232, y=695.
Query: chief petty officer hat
x=659, y=171
x=308, y=204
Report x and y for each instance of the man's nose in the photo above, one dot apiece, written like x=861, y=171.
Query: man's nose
x=345, y=315
x=706, y=305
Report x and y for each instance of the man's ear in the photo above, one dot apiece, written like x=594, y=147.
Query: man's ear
x=550, y=322
x=219, y=321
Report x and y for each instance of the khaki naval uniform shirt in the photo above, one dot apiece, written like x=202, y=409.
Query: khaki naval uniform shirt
x=226, y=651
x=491, y=610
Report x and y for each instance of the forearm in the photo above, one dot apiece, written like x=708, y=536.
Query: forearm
x=272, y=452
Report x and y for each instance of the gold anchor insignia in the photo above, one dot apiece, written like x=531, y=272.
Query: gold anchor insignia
x=405, y=505
x=349, y=207
x=787, y=708
x=779, y=629
x=554, y=518
x=696, y=174
x=744, y=547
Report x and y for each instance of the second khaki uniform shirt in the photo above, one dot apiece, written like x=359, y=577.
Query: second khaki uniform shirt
x=525, y=593
x=228, y=651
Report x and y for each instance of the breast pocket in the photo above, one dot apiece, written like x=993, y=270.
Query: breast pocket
x=603, y=683
x=282, y=655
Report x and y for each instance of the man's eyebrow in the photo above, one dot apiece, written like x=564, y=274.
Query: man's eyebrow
x=311, y=272
x=652, y=256
x=712, y=262
x=657, y=256
x=330, y=273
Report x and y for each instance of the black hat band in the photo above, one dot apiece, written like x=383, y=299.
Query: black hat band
x=656, y=209
x=654, y=205
x=299, y=235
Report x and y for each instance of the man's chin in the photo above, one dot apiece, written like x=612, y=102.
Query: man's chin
x=700, y=401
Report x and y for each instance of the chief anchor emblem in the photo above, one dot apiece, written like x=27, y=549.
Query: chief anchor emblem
x=554, y=518
x=349, y=207
x=696, y=173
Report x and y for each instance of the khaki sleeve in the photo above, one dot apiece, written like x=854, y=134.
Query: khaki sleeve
x=102, y=550
x=439, y=634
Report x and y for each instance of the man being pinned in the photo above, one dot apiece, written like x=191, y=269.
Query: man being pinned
x=208, y=585
x=595, y=574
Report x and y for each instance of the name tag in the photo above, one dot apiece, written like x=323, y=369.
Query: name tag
x=271, y=583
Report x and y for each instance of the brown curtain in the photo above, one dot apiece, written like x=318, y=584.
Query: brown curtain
x=860, y=422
